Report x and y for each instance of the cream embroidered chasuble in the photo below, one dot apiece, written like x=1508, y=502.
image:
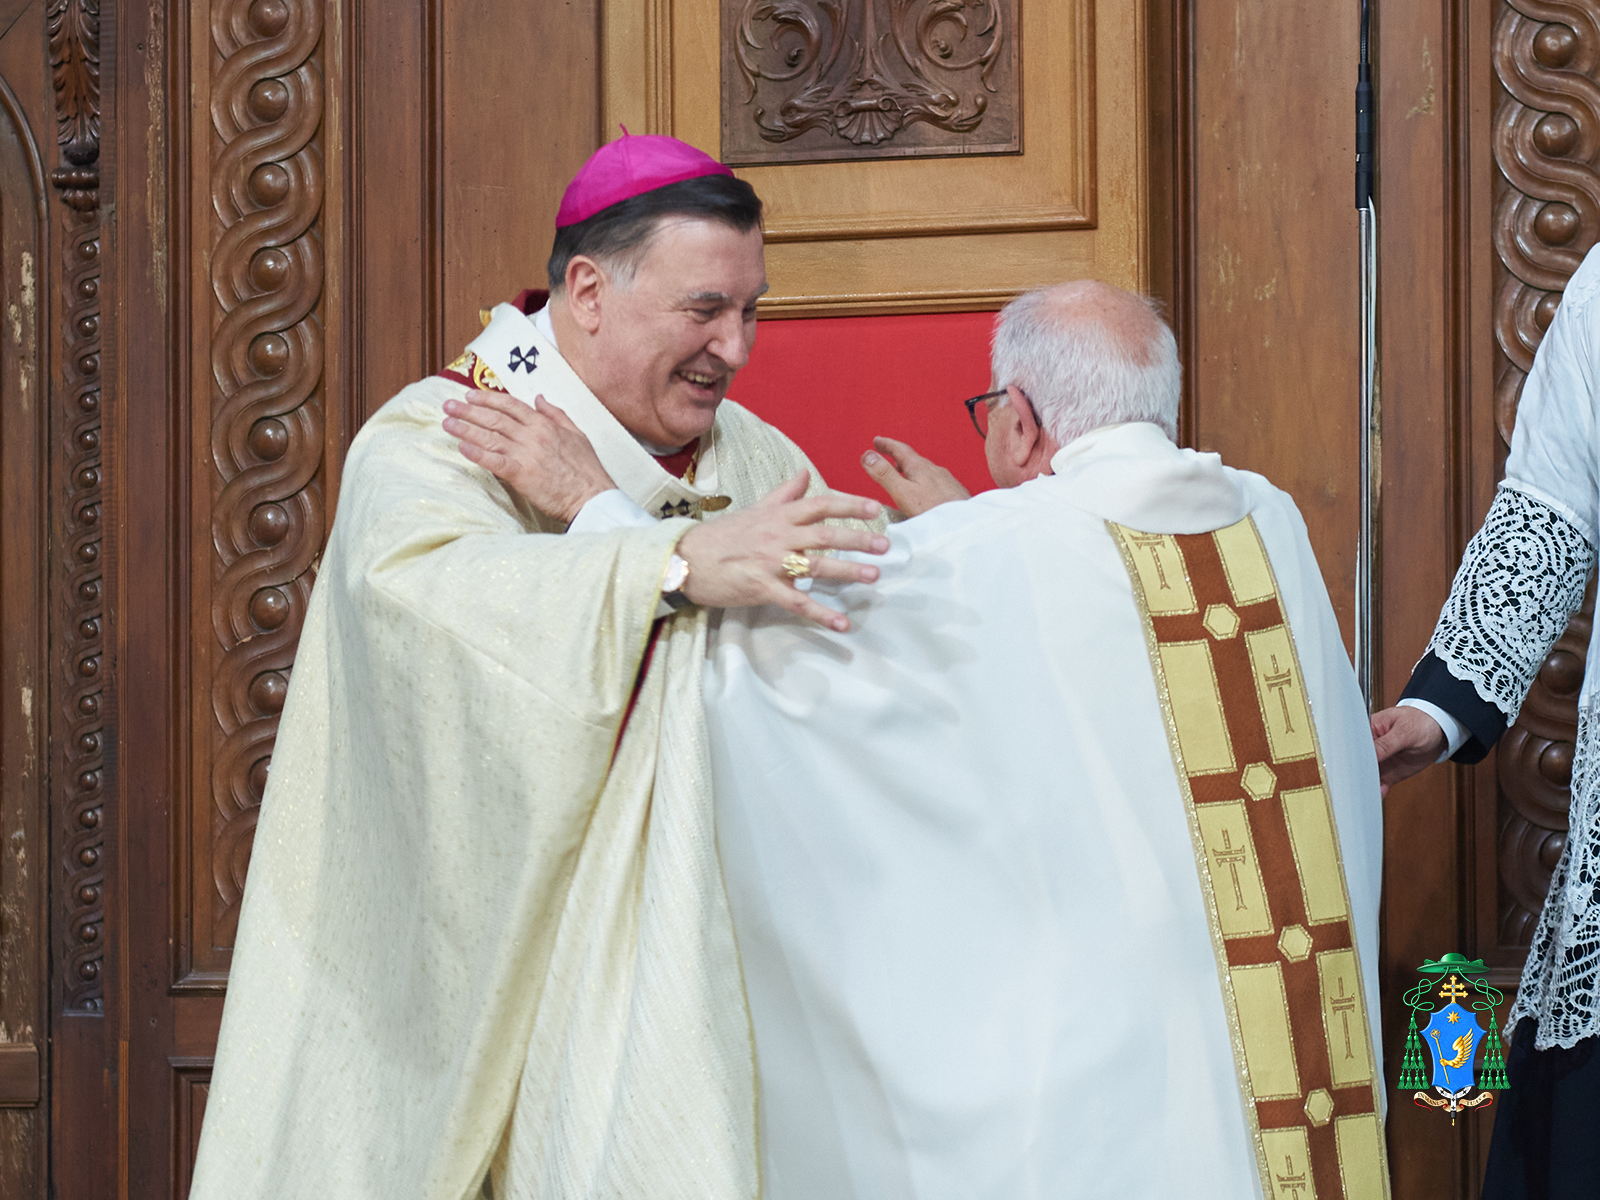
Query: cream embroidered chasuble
x=469, y=935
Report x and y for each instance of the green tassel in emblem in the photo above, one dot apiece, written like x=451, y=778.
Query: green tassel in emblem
x=1413, y=1070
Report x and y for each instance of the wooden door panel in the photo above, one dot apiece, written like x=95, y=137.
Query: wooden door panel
x=25, y=686
x=1272, y=292
x=191, y=1085
x=53, y=974
x=292, y=236
x=1274, y=378
x=258, y=423
x=871, y=229
x=517, y=116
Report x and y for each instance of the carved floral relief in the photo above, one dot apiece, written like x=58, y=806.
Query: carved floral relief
x=808, y=80
x=73, y=28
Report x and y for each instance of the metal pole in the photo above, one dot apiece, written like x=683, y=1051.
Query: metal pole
x=1370, y=430
x=1371, y=447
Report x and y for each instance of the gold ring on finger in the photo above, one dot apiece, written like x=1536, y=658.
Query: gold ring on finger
x=797, y=566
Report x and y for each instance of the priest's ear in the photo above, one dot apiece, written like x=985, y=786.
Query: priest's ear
x=1017, y=426
x=586, y=284
x=1017, y=446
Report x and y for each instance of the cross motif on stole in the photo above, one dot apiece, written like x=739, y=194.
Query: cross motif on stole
x=1289, y=1181
x=1344, y=1006
x=1233, y=857
x=1279, y=681
x=1153, y=543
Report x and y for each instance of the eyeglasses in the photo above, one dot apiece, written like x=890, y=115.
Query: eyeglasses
x=978, y=410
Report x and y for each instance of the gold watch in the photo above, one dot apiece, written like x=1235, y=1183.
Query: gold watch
x=673, y=583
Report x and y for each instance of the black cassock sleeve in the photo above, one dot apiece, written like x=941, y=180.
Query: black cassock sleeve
x=1484, y=722
x=1521, y=577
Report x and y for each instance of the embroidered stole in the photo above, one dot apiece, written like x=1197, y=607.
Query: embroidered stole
x=1250, y=769
x=511, y=355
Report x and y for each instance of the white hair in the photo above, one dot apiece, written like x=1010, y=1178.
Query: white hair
x=1086, y=355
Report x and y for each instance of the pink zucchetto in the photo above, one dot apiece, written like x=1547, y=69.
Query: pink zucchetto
x=628, y=167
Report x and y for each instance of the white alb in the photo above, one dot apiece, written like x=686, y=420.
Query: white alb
x=961, y=875
x=1522, y=576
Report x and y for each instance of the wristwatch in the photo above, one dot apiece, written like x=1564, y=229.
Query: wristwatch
x=673, y=583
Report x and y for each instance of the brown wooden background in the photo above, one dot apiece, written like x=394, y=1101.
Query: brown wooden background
x=229, y=229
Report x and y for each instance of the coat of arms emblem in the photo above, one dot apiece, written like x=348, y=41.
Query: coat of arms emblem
x=1453, y=1035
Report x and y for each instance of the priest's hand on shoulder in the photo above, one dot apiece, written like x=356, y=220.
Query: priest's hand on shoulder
x=739, y=558
x=536, y=451
x=914, y=483
x=1406, y=739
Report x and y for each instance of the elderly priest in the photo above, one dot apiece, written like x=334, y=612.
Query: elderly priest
x=485, y=942
x=1058, y=877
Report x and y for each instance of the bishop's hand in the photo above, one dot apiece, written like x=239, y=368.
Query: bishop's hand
x=538, y=451
x=914, y=483
x=1406, y=739
x=738, y=558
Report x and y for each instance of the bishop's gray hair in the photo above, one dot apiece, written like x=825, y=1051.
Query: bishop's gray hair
x=1089, y=355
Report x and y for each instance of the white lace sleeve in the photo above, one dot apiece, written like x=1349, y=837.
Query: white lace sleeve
x=1521, y=578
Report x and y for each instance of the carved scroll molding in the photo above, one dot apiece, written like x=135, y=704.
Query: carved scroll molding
x=266, y=409
x=806, y=80
x=73, y=28
x=74, y=31
x=1546, y=217
x=1547, y=196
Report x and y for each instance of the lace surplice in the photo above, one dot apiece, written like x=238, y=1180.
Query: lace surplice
x=1521, y=578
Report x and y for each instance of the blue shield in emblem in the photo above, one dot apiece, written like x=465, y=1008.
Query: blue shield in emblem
x=1453, y=1036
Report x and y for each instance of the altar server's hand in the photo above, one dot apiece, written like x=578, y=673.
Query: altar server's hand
x=536, y=451
x=737, y=559
x=914, y=483
x=1406, y=740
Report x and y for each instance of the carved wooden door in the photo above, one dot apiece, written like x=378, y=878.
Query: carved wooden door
x=304, y=205
x=1488, y=196
x=53, y=1026
x=313, y=200
x=26, y=686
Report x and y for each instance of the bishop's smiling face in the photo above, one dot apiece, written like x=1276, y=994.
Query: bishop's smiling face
x=668, y=345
